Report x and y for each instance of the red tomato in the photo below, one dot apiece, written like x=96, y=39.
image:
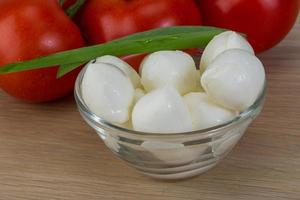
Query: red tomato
x=105, y=20
x=266, y=22
x=134, y=60
x=30, y=29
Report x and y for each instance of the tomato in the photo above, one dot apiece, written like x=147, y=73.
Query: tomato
x=30, y=29
x=134, y=60
x=105, y=20
x=266, y=22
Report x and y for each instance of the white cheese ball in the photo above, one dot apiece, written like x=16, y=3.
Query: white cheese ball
x=108, y=92
x=161, y=111
x=169, y=68
x=125, y=67
x=220, y=43
x=173, y=153
x=235, y=79
x=206, y=113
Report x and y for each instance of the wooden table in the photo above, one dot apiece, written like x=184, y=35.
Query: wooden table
x=48, y=152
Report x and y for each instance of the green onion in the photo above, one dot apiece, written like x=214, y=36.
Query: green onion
x=169, y=38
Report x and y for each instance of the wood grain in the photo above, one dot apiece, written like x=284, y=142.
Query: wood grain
x=48, y=152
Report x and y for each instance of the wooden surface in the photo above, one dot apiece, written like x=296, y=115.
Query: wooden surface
x=48, y=152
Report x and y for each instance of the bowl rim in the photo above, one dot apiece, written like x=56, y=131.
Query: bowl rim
x=248, y=113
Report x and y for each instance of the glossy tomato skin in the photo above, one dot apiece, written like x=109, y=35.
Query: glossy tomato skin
x=134, y=60
x=266, y=22
x=105, y=20
x=30, y=29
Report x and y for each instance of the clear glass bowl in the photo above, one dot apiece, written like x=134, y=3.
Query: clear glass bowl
x=170, y=156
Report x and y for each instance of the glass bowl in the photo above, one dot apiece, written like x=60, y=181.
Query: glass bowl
x=175, y=155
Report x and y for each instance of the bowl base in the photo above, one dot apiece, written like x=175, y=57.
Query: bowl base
x=181, y=175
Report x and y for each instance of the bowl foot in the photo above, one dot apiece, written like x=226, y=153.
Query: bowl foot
x=180, y=175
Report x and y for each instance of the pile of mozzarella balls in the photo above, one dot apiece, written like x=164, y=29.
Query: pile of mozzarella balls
x=170, y=95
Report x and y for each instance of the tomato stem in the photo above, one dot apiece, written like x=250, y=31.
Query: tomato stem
x=72, y=10
x=61, y=2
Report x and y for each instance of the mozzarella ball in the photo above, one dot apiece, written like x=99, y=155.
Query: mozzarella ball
x=169, y=68
x=220, y=43
x=206, y=113
x=173, y=153
x=122, y=65
x=138, y=94
x=235, y=79
x=161, y=111
x=108, y=92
